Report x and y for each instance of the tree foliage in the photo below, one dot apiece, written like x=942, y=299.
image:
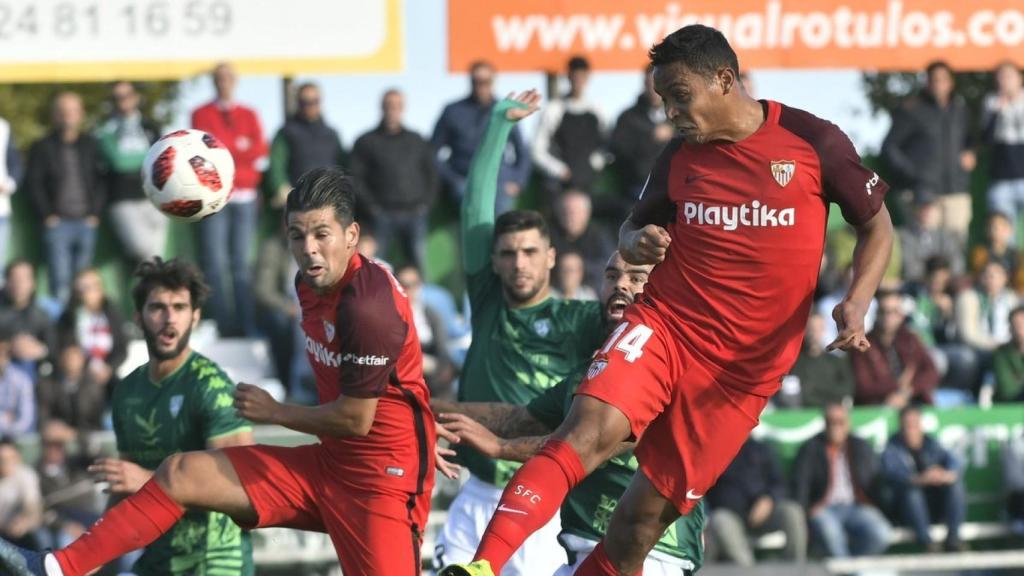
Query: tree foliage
x=27, y=106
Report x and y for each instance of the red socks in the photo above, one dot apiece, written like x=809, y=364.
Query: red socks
x=598, y=564
x=134, y=523
x=530, y=500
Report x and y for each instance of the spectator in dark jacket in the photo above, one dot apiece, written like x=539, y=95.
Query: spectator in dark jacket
x=10, y=175
x=897, y=369
x=305, y=142
x=576, y=231
x=833, y=475
x=928, y=148
x=457, y=136
x=999, y=247
x=92, y=322
x=823, y=377
x=72, y=394
x=226, y=241
x=1008, y=362
x=124, y=139
x=1003, y=129
x=394, y=172
x=640, y=134
x=926, y=481
x=750, y=499
x=67, y=186
x=33, y=334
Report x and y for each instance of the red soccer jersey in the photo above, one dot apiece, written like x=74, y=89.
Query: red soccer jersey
x=361, y=342
x=747, y=221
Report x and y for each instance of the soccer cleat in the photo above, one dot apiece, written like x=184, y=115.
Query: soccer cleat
x=478, y=568
x=17, y=561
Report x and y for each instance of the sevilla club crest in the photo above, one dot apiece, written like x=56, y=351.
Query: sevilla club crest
x=596, y=367
x=329, y=331
x=783, y=170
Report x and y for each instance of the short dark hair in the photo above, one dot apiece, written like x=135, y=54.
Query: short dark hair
x=578, y=63
x=173, y=274
x=1015, y=311
x=478, y=64
x=519, y=221
x=936, y=65
x=883, y=293
x=936, y=263
x=8, y=440
x=999, y=215
x=909, y=408
x=14, y=263
x=327, y=187
x=702, y=49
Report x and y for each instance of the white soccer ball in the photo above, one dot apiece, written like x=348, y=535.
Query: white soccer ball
x=188, y=175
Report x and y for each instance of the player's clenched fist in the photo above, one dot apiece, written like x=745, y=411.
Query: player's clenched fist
x=254, y=403
x=648, y=245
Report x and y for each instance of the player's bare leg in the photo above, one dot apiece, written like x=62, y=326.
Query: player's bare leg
x=201, y=480
x=592, y=433
x=206, y=480
x=640, y=519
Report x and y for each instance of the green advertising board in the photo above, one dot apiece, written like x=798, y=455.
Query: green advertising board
x=975, y=435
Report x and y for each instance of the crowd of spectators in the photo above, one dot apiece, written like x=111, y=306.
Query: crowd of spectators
x=946, y=330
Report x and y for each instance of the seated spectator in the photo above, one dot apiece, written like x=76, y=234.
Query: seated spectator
x=983, y=313
x=438, y=369
x=17, y=397
x=33, y=332
x=897, y=369
x=21, y=504
x=1008, y=362
x=569, y=275
x=91, y=321
x=70, y=498
x=73, y=395
x=574, y=230
x=1013, y=481
x=924, y=237
x=749, y=500
x=926, y=482
x=999, y=247
x=821, y=377
x=277, y=307
x=832, y=476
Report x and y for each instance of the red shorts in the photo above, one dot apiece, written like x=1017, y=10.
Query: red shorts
x=373, y=531
x=690, y=426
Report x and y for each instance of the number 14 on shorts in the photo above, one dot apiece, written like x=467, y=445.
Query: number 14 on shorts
x=629, y=343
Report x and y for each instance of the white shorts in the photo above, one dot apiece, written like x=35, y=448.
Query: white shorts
x=656, y=564
x=467, y=519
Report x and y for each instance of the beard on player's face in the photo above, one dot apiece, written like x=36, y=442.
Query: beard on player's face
x=166, y=342
x=321, y=245
x=524, y=287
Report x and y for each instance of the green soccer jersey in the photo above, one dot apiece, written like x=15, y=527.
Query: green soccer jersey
x=181, y=413
x=588, y=508
x=516, y=353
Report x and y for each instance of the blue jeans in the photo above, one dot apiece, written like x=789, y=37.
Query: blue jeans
x=225, y=241
x=69, y=248
x=851, y=530
x=918, y=505
x=407, y=226
x=1007, y=196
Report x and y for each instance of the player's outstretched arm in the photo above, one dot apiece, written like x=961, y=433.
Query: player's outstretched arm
x=506, y=420
x=482, y=181
x=870, y=258
x=346, y=416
